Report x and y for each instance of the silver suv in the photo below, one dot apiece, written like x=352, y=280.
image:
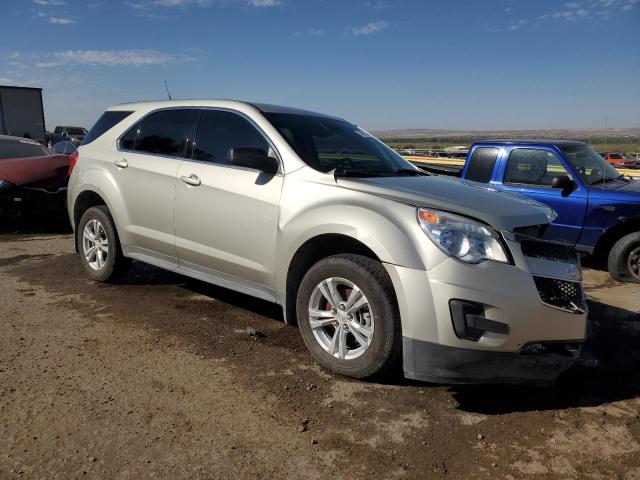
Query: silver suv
x=375, y=260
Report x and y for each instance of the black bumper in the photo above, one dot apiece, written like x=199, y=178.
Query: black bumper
x=16, y=200
x=539, y=363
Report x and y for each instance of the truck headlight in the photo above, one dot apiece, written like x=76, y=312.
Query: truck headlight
x=4, y=184
x=461, y=237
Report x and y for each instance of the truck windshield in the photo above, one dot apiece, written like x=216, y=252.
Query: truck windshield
x=327, y=144
x=591, y=166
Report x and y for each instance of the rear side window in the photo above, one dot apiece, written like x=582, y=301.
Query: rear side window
x=164, y=132
x=481, y=164
x=219, y=131
x=107, y=121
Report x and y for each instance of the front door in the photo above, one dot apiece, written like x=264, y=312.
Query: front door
x=529, y=172
x=227, y=216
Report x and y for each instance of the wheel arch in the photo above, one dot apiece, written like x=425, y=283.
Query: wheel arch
x=312, y=251
x=608, y=239
x=84, y=201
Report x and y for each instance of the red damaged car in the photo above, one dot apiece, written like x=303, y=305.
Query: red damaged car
x=32, y=178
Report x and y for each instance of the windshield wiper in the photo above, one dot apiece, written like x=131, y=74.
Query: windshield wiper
x=410, y=171
x=342, y=172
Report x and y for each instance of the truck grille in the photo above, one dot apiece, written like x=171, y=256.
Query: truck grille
x=561, y=293
x=549, y=251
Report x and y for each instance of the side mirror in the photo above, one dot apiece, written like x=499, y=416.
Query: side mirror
x=564, y=183
x=255, y=158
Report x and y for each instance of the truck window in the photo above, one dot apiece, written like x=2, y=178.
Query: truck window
x=481, y=164
x=528, y=166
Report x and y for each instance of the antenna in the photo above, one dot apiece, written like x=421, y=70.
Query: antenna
x=168, y=92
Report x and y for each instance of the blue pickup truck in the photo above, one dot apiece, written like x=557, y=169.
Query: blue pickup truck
x=598, y=208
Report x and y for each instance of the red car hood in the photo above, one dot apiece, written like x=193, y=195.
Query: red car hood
x=50, y=172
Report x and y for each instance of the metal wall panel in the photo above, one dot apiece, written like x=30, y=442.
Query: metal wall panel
x=22, y=112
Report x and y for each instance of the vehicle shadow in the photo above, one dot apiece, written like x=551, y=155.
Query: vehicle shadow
x=608, y=371
x=36, y=224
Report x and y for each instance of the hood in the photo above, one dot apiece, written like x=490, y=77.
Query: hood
x=50, y=173
x=617, y=185
x=501, y=210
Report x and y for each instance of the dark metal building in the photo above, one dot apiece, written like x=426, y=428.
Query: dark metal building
x=21, y=112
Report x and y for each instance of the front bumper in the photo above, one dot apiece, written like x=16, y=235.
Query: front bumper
x=508, y=295
x=16, y=200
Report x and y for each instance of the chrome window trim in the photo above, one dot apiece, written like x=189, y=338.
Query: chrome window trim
x=200, y=109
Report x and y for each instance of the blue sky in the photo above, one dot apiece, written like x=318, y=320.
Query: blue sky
x=384, y=64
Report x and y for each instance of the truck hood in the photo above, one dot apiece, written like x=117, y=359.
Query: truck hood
x=501, y=210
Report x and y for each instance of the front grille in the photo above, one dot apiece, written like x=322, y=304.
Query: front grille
x=560, y=293
x=549, y=251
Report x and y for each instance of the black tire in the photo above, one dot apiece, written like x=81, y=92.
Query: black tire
x=624, y=259
x=385, y=349
x=115, y=264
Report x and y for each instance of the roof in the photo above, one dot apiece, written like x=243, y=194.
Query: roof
x=20, y=88
x=534, y=141
x=263, y=107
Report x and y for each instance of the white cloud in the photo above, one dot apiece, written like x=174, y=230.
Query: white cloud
x=264, y=3
x=108, y=58
x=61, y=21
x=180, y=3
x=516, y=24
x=371, y=27
x=49, y=2
x=313, y=32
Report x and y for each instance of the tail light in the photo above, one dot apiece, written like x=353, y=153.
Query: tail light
x=73, y=158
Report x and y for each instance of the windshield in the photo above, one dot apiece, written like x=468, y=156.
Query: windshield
x=591, y=166
x=327, y=144
x=17, y=149
x=76, y=131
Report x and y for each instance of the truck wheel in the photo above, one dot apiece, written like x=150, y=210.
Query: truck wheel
x=348, y=316
x=624, y=259
x=99, y=247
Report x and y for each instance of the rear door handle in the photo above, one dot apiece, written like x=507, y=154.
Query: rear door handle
x=192, y=180
x=121, y=163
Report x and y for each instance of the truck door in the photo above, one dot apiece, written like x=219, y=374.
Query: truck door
x=530, y=171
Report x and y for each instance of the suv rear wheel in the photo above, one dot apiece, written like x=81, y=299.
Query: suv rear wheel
x=624, y=259
x=99, y=246
x=348, y=316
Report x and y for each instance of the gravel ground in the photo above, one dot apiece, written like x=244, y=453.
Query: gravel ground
x=157, y=377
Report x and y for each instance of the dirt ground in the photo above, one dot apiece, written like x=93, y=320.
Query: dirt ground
x=157, y=378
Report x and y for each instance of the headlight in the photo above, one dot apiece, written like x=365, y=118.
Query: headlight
x=461, y=237
x=4, y=184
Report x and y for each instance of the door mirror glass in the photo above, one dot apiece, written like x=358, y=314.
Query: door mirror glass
x=564, y=183
x=255, y=158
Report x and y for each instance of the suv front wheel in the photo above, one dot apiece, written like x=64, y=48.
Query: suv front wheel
x=348, y=316
x=99, y=246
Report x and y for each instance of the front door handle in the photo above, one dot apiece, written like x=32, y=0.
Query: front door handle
x=121, y=163
x=192, y=180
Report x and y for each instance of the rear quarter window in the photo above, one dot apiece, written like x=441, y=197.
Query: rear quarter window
x=107, y=121
x=481, y=164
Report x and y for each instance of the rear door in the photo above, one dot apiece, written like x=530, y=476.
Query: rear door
x=227, y=216
x=529, y=171
x=145, y=168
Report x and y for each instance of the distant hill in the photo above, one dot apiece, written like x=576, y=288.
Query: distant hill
x=586, y=134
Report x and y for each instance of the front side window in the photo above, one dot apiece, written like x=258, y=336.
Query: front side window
x=220, y=131
x=481, y=164
x=163, y=133
x=589, y=164
x=327, y=144
x=528, y=166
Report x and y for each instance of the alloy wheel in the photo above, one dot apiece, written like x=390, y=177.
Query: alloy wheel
x=95, y=245
x=341, y=318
